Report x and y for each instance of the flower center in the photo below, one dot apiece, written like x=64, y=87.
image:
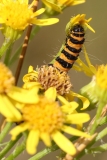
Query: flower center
x=6, y=79
x=12, y=11
x=45, y=116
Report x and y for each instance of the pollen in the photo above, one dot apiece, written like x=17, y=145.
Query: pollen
x=6, y=79
x=14, y=10
x=50, y=76
x=45, y=116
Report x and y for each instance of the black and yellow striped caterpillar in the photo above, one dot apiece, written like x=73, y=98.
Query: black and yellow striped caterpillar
x=72, y=46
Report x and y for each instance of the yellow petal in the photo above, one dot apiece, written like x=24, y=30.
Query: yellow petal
x=69, y=108
x=51, y=93
x=63, y=143
x=40, y=11
x=22, y=95
x=78, y=2
x=62, y=99
x=52, y=5
x=74, y=131
x=46, y=139
x=30, y=85
x=8, y=109
x=45, y=22
x=32, y=141
x=85, y=101
x=88, y=26
x=92, y=68
x=78, y=118
x=18, y=129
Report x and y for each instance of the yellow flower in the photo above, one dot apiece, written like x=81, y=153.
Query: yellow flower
x=9, y=94
x=101, y=76
x=46, y=120
x=46, y=77
x=80, y=20
x=59, y=5
x=96, y=90
x=19, y=14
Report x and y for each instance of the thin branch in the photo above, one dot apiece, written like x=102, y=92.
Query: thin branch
x=24, y=47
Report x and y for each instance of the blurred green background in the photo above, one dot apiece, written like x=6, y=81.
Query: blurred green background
x=48, y=41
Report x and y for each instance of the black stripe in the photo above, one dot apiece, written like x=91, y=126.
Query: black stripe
x=64, y=63
x=78, y=28
x=77, y=34
x=69, y=56
x=74, y=50
x=75, y=41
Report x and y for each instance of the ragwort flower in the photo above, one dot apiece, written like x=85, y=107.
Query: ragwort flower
x=10, y=93
x=17, y=15
x=46, y=77
x=59, y=5
x=49, y=76
x=46, y=120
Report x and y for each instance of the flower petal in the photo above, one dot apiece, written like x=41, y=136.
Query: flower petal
x=69, y=108
x=22, y=95
x=62, y=100
x=51, y=93
x=38, y=12
x=46, y=139
x=32, y=141
x=8, y=109
x=78, y=118
x=44, y=22
x=18, y=129
x=74, y=131
x=52, y=5
x=83, y=99
x=63, y=143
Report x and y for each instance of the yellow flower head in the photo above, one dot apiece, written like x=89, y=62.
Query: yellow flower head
x=101, y=77
x=46, y=119
x=10, y=95
x=79, y=20
x=97, y=88
x=46, y=77
x=59, y=5
x=19, y=14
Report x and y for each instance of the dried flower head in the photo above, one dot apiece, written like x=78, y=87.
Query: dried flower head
x=50, y=76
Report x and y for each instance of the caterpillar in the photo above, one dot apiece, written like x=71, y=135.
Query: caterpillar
x=70, y=50
x=72, y=47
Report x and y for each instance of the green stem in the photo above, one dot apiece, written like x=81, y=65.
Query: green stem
x=19, y=149
x=8, y=54
x=99, y=149
x=99, y=110
x=5, y=131
x=6, y=44
x=103, y=121
x=41, y=154
x=48, y=150
x=17, y=53
x=9, y=146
